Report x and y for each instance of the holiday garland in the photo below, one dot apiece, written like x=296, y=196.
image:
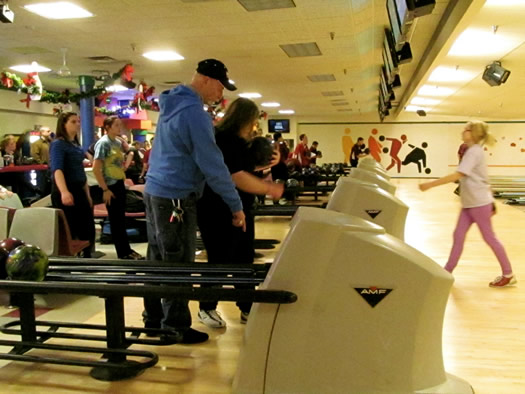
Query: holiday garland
x=13, y=82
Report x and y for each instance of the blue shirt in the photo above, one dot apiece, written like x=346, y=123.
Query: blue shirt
x=185, y=154
x=68, y=157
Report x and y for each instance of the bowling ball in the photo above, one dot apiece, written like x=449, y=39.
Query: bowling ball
x=292, y=183
x=261, y=150
x=3, y=258
x=11, y=243
x=27, y=262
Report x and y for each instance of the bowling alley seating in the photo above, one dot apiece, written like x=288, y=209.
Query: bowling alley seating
x=136, y=229
x=46, y=228
x=12, y=201
x=6, y=218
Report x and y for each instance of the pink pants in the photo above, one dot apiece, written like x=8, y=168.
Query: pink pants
x=481, y=216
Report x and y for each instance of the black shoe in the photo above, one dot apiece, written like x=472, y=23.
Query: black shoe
x=190, y=336
x=152, y=324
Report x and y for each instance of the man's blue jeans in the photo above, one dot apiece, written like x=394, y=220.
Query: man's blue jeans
x=173, y=242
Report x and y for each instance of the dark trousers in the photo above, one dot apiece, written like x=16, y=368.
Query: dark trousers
x=224, y=243
x=117, y=219
x=169, y=241
x=79, y=216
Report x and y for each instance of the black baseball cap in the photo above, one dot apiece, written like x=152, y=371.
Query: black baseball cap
x=216, y=69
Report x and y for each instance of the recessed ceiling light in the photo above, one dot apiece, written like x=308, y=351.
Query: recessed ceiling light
x=29, y=68
x=286, y=111
x=58, y=10
x=321, y=77
x=451, y=74
x=259, y=5
x=504, y=3
x=433, y=90
x=301, y=50
x=424, y=101
x=162, y=56
x=333, y=93
x=250, y=95
x=415, y=108
x=479, y=42
x=116, y=88
x=271, y=104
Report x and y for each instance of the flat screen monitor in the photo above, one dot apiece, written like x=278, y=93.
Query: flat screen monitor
x=388, y=93
x=390, y=52
x=279, y=125
x=401, y=17
x=395, y=23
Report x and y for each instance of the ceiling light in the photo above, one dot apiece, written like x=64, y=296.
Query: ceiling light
x=29, y=68
x=504, y=3
x=415, y=108
x=433, y=90
x=116, y=88
x=479, y=42
x=333, y=93
x=250, y=95
x=58, y=10
x=271, y=104
x=259, y=5
x=162, y=56
x=321, y=77
x=286, y=111
x=301, y=50
x=451, y=74
x=424, y=101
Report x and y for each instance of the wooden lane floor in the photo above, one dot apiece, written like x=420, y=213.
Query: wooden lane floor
x=484, y=330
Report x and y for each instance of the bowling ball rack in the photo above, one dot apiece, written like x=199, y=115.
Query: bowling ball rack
x=114, y=280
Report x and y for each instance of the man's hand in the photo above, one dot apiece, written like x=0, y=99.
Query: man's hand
x=239, y=220
x=276, y=190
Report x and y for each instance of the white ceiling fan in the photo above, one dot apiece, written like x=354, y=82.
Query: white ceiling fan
x=64, y=70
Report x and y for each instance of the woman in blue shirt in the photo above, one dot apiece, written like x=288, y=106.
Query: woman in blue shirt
x=70, y=191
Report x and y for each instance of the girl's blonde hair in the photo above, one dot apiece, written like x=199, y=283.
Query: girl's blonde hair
x=480, y=133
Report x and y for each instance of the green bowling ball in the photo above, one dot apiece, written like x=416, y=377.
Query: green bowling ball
x=27, y=262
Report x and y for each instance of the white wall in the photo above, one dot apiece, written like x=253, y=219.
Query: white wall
x=15, y=118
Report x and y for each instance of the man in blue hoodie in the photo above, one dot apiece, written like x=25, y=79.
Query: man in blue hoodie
x=184, y=157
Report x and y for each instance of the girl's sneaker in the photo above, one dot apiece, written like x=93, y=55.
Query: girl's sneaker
x=503, y=281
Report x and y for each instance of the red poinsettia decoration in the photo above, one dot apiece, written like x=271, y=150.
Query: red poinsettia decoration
x=6, y=81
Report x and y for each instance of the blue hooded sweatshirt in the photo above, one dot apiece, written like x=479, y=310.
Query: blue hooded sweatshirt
x=185, y=154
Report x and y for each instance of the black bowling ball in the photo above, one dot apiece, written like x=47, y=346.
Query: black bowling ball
x=261, y=150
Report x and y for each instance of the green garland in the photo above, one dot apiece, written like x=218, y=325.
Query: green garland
x=64, y=97
x=18, y=84
x=67, y=97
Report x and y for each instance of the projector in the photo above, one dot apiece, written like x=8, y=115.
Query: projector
x=6, y=15
x=495, y=74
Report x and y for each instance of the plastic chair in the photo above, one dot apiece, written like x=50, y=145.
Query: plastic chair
x=12, y=201
x=6, y=217
x=37, y=226
x=46, y=228
x=68, y=246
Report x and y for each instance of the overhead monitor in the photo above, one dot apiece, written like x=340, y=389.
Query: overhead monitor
x=401, y=19
x=279, y=125
x=421, y=7
x=390, y=52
